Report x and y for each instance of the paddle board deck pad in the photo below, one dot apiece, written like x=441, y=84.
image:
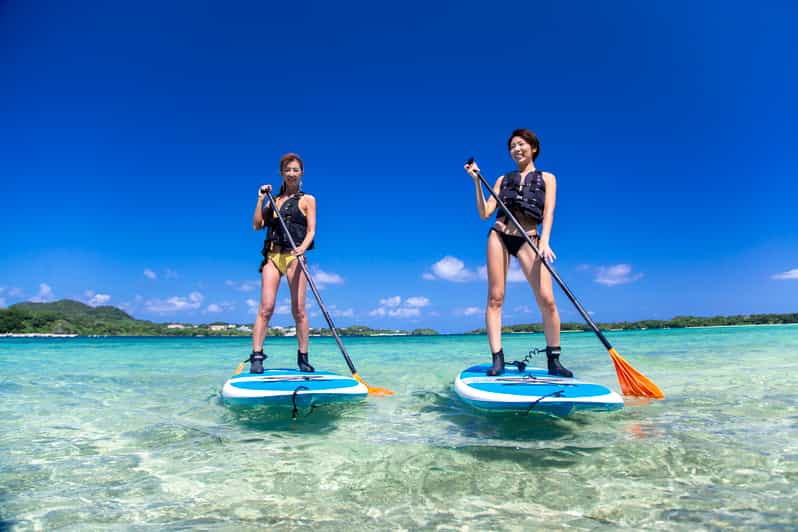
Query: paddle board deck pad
x=291, y=388
x=532, y=391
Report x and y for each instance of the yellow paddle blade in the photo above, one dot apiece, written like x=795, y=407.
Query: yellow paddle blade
x=632, y=381
x=373, y=390
x=239, y=368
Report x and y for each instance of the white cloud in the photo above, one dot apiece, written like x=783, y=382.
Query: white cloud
x=453, y=269
x=417, y=301
x=394, y=301
x=95, y=300
x=404, y=312
x=2, y=302
x=514, y=273
x=396, y=308
x=243, y=286
x=323, y=278
x=525, y=309
x=791, y=274
x=149, y=274
x=170, y=274
x=175, y=303
x=470, y=311
x=44, y=294
x=222, y=306
x=15, y=292
x=283, y=307
x=615, y=275
x=342, y=313
x=450, y=269
x=252, y=306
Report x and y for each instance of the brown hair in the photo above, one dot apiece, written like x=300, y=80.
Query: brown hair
x=529, y=137
x=284, y=160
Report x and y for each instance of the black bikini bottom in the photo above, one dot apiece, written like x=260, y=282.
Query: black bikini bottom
x=513, y=242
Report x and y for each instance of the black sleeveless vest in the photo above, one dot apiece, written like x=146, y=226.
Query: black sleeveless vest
x=531, y=197
x=294, y=218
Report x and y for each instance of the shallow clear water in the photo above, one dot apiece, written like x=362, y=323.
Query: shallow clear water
x=129, y=433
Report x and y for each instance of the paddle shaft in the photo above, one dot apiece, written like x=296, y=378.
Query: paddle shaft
x=553, y=273
x=313, y=288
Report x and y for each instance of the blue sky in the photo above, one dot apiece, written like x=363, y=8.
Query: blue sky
x=134, y=136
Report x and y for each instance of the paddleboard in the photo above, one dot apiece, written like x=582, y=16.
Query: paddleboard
x=532, y=391
x=291, y=388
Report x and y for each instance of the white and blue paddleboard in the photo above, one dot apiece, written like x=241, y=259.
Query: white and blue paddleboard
x=291, y=388
x=532, y=391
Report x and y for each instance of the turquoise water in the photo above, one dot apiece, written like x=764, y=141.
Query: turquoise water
x=129, y=433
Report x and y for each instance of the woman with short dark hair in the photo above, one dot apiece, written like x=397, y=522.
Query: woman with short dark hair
x=530, y=195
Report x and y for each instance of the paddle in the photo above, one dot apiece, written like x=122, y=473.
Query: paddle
x=632, y=381
x=373, y=390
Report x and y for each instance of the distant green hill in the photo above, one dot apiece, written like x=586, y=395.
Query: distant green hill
x=70, y=309
x=73, y=317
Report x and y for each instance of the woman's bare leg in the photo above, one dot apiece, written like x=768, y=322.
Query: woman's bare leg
x=270, y=282
x=540, y=280
x=497, y=275
x=298, y=285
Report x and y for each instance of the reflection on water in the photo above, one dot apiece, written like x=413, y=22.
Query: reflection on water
x=307, y=418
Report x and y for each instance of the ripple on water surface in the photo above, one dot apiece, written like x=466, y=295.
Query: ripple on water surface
x=144, y=440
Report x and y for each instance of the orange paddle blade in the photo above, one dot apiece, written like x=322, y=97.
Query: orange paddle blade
x=373, y=390
x=632, y=381
x=239, y=368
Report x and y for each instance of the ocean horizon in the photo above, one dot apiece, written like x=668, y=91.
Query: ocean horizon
x=568, y=331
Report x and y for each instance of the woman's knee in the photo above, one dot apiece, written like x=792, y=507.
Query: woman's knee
x=547, y=304
x=266, y=310
x=299, y=314
x=495, y=300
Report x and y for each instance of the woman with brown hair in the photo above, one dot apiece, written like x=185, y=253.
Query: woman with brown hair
x=530, y=195
x=298, y=210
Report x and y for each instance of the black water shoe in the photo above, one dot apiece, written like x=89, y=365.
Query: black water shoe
x=555, y=368
x=256, y=362
x=302, y=362
x=498, y=364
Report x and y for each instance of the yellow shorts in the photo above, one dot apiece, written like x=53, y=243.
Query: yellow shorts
x=281, y=261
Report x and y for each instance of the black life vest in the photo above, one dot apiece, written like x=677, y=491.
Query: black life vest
x=294, y=218
x=528, y=199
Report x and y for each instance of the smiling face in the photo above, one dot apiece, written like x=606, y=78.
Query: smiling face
x=521, y=151
x=292, y=170
x=524, y=147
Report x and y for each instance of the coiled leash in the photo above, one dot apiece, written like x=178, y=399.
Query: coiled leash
x=522, y=364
